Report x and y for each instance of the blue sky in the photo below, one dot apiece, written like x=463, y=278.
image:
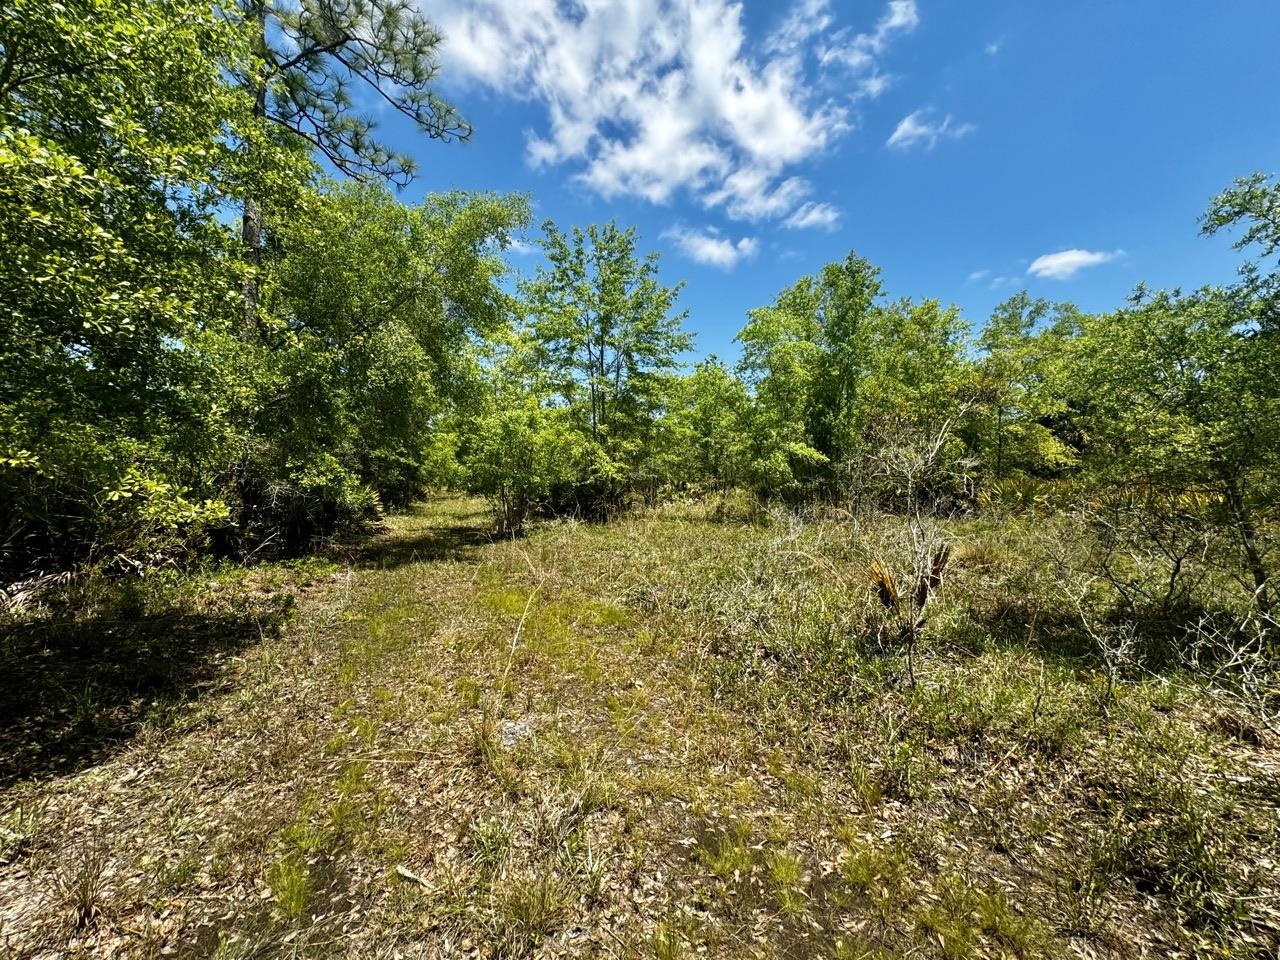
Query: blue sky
x=968, y=148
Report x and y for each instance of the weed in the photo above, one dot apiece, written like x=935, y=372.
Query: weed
x=1025, y=936
x=305, y=837
x=528, y=908
x=19, y=830
x=905, y=770
x=952, y=924
x=80, y=882
x=727, y=853
x=878, y=872
x=491, y=756
x=667, y=942
x=960, y=916
x=847, y=948
x=171, y=876
x=589, y=864
x=786, y=880
x=290, y=882
x=670, y=669
x=1083, y=883
x=866, y=783
x=490, y=841
x=599, y=792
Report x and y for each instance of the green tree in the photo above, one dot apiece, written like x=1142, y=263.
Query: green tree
x=806, y=353
x=306, y=58
x=1017, y=404
x=843, y=303
x=838, y=376
x=517, y=448
x=912, y=371
x=781, y=359
x=115, y=377
x=712, y=423
x=371, y=307
x=915, y=391
x=1254, y=203
x=1182, y=396
x=608, y=340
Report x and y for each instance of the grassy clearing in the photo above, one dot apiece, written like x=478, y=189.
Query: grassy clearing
x=665, y=737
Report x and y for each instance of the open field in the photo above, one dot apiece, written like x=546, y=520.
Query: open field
x=664, y=737
x=587, y=549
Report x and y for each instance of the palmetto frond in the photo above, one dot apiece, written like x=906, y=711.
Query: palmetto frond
x=884, y=585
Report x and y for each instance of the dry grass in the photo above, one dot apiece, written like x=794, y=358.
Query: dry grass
x=666, y=737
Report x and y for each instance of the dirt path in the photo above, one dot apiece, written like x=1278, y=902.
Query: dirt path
x=451, y=751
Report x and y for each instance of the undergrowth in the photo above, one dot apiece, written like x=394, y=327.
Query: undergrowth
x=673, y=735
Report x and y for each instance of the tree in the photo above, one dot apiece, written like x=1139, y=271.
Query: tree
x=1253, y=201
x=781, y=359
x=904, y=445
x=114, y=371
x=712, y=422
x=1003, y=371
x=806, y=351
x=912, y=370
x=1182, y=397
x=837, y=375
x=134, y=410
x=517, y=449
x=843, y=304
x=306, y=57
x=1017, y=404
x=371, y=310
x=608, y=340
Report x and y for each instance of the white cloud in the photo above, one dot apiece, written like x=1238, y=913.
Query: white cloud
x=979, y=275
x=861, y=53
x=1065, y=264
x=993, y=47
x=813, y=215
x=709, y=247
x=872, y=85
x=747, y=195
x=807, y=19
x=658, y=98
x=521, y=247
x=902, y=16
x=916, y=129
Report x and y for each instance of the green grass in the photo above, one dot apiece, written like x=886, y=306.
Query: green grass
x=290, y=883
x=678, y=734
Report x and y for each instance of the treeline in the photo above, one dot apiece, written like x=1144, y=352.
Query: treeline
x=1163, y=416
x=207, y=346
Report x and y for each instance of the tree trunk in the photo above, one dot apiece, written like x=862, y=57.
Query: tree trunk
x=1000, y=442
x=251, y=241
x=1249, y=540
x=251, y=216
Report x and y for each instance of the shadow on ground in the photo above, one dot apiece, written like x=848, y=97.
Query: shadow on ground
x=455, y=542
x=76, y=689
x=73, y=691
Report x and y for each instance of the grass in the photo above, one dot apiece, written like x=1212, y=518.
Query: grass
x=671, y=736
x=290, y=883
